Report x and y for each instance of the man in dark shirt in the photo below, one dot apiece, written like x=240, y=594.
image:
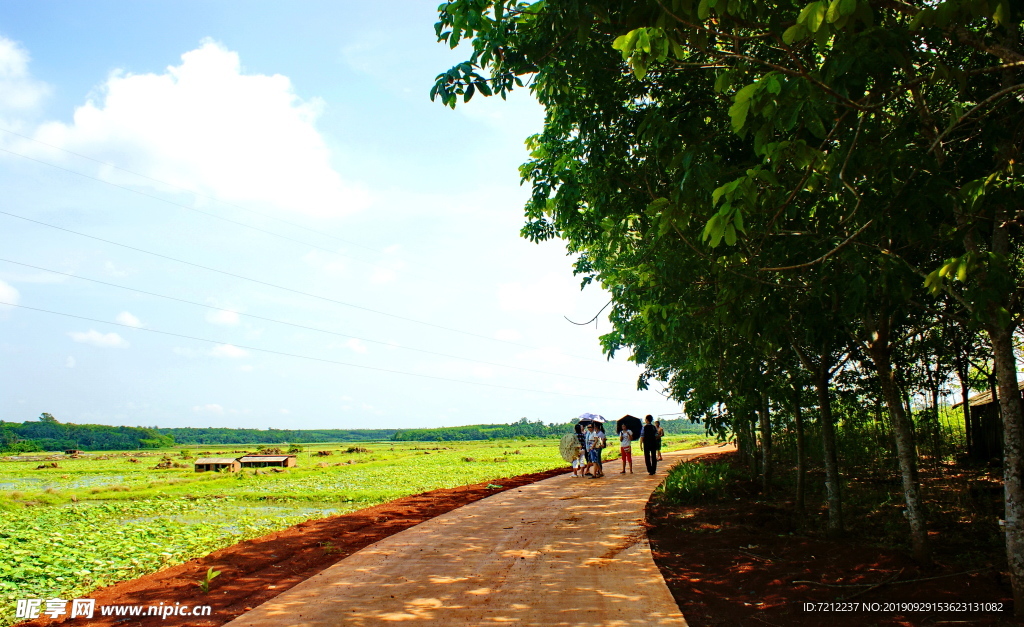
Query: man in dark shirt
x=650, y=443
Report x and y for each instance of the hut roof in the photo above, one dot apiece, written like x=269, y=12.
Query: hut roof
x=984, y=398
x=264, y=458
x=216, y=460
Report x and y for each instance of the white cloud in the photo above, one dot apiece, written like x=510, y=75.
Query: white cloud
x=356, y=346
x=207, y=127
x=552, y=293
x=228, y=350
x=8, y=294
x=222, y=316
x=70, y=362
x=285, y=411
x=102, y=340
x=246, y=368
x=127, y=318
x=19, y=92
x=185, y=352
x=211, y=408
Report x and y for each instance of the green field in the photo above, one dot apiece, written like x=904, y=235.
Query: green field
x=104, y=518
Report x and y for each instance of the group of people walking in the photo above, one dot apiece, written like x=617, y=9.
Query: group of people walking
x=593, y=440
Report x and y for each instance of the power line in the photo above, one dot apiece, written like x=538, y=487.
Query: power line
x=318, y=359
x=280, y=287
x=301, y=326
x=199, y=211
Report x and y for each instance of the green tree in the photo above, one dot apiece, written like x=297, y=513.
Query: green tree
x=698, y=157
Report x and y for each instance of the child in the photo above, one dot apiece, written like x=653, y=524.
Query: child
x=626, y=449
x=596, y=447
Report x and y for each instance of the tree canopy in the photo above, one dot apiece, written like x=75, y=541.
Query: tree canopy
x=776, y=192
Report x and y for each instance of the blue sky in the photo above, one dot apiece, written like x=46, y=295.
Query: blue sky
x=293, y=153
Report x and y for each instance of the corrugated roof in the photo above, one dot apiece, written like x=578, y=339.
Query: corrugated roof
x=264, y=458
x=216, y=460
x=985, y=397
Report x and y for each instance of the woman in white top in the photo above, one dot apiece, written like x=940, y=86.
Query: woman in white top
x=626, y=449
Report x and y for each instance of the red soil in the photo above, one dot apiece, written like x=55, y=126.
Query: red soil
x=738, y=562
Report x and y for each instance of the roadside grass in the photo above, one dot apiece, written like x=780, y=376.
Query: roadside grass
x=692, y=483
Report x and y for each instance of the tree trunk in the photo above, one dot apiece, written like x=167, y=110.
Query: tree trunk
x=903, y=432
x=1013, y=459
x=828, y=444
x=766, y=445
x=965, y=390
x=801, y=455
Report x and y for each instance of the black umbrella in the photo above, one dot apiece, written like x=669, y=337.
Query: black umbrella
x=634, y=424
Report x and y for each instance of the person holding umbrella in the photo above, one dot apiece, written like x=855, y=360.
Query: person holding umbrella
x=629, y=428
x=593, y=442
x=597, y=445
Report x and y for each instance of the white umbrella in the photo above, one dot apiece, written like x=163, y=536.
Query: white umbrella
x=569, y=447
x=589, y=417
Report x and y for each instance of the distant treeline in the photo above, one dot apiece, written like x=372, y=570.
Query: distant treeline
x=220, y=435
x=49, y=435
x=523, y=428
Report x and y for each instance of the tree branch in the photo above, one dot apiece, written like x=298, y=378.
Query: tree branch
x=823, y=257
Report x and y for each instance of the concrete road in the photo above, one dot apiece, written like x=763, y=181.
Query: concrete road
x=564, y=551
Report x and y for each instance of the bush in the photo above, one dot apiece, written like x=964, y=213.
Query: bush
x=693, y=482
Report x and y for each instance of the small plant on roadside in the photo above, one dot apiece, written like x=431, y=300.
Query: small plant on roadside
x=204, y=584
x=696, y=483
x=329, y=547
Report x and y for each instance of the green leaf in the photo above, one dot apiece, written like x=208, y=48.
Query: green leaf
x=639, y=68
x=816, y=16
x=847, y=7
x=643, y=40
x=730, y=235
x=1002, y=14
x=717, y=194
x=833, y=13
x=737, y=221
x=738, y=113
x=723, y=82
x=745, y=94
x=710, y=227
x=703, y=10
x=796, y=32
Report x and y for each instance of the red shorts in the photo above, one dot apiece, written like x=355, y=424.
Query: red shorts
x=627, y=453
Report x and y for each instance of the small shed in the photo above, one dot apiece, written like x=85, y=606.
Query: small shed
x=266, y=461
x=204, y=464
x=985, y=427
x=72, y=451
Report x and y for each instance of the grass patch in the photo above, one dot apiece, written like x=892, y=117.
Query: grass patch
x=694, y=482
